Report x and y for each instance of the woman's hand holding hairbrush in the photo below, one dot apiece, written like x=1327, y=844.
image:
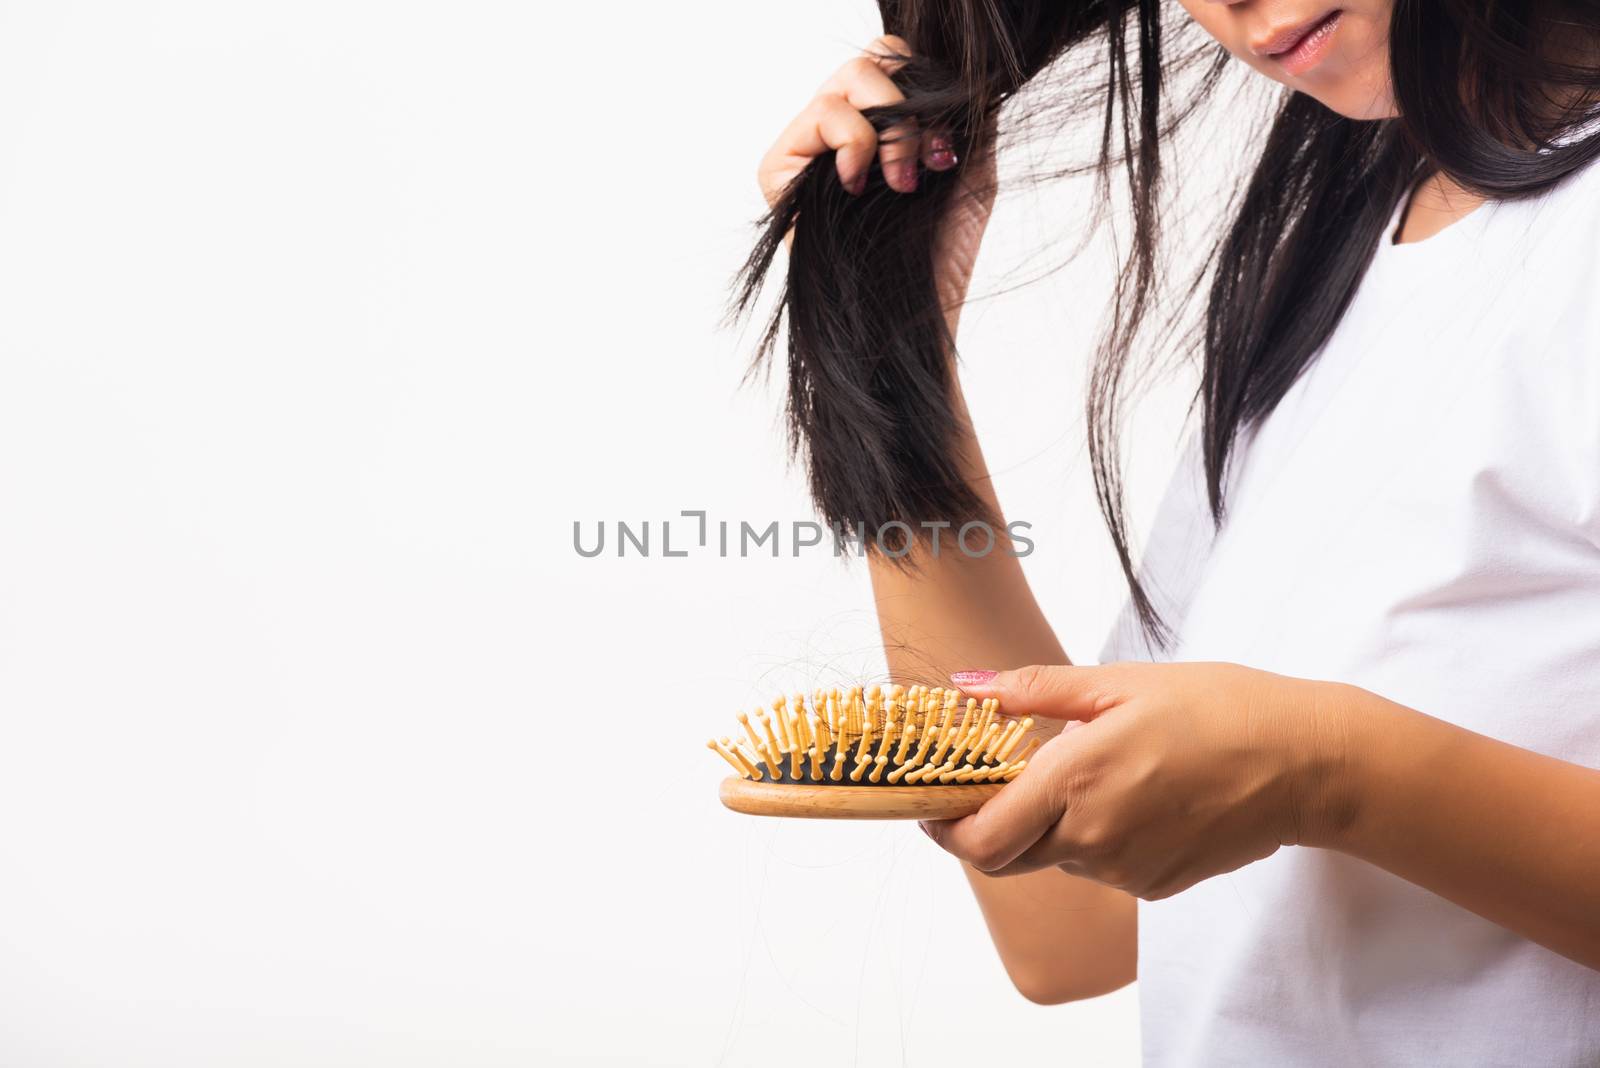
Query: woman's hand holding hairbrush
x=1167, y=774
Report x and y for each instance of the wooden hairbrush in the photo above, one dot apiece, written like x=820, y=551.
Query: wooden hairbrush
x=888, y=754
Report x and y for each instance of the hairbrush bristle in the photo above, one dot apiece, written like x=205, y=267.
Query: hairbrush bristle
x=913, y=737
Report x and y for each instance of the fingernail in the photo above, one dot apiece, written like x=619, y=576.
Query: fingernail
x=973, y=678
x=925, y=828
x=941, y=157
x=857, y=185
x=902, y=175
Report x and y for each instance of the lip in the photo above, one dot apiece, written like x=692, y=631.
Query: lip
x=1300, y=47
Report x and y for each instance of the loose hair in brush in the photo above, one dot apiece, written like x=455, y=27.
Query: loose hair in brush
x=1500, y=97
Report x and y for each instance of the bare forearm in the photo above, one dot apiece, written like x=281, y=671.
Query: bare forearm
x=1507, y=833
x=1059, y=937
x=956, y=610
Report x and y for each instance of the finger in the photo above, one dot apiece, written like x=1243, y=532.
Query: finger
x=827, y=123
x=1063, y=692
x=1051, y=850
x=864, y=83
x=938, y=154
x=897, y=154
x=889, y=51
x=1008, y=823
x=900, y=144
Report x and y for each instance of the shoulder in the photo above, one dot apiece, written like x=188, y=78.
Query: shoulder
x=1549, y=381
x=1543, y=256
x=1560, y=226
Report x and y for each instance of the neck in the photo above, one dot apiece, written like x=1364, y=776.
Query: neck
x=1436, y=203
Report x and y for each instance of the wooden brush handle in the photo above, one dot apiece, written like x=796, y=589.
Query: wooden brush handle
x=826, y=802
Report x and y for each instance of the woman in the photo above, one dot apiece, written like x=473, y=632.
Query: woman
x=1367, y=622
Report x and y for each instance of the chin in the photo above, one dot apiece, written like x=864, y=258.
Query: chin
x=1367, y=97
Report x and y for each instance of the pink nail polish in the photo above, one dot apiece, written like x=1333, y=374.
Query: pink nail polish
x=857, y=185
x=963, y=679
x=901, y=175
x=941, y=157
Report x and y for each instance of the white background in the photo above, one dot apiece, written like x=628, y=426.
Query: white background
x=320, y=325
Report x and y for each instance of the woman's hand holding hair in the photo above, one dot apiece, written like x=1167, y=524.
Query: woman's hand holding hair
x=833, y=122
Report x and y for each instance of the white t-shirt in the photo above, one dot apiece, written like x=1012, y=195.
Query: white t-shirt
x=1420, y=516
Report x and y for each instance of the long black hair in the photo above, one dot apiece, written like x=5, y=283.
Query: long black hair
x=1496, y=96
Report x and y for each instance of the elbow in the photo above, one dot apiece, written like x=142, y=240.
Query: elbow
x=1046, y=987
x=1044, y=992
